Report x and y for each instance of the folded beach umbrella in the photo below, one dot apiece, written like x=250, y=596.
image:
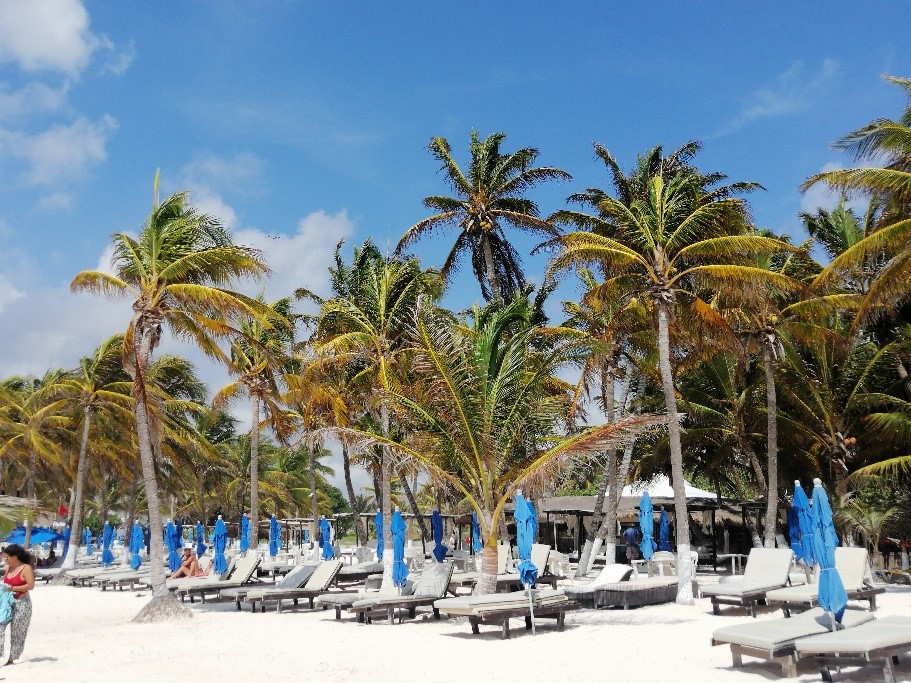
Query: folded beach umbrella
x=244, y=533
x=476, y=544
x=147, y=539
x=179, y=527
x=66, y=540
x=275, y=536
x=325, y=539
x=806, y=524
x=664, y=531
x=220, y=543
x=172, y=541
x=832, y=596
x=399, y=568
x=794, y=531
x=87, y=540
x=528, y=572
x=436, y=524
x=136, y=543
x=99, y=540
x=200, y=539
x=647, y=526
x=533, y=521
x=107, y=557
x=379, y=536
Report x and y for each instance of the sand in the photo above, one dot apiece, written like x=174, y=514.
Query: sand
x=83, y=634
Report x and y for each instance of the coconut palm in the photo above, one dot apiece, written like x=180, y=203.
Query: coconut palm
x=176, y=272
x=489, y=197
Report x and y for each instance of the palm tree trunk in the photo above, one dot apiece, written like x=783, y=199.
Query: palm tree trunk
x=33, y=500
x=82, y=466
x=903, y=376
x=386, y=483
x=684, y=564
x=254, y=473
x=413, y=504
x=771, y=515
x=487, y=579
x=492, y=281
x=360, y=528
x=131, y=518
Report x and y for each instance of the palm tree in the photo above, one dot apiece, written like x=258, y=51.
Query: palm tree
x=489, y=197
x=683, y=240
x=175, y=272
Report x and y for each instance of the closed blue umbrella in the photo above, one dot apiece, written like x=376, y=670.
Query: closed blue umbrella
x=647, y=526
x=399, y=568
x=533, y=521
x=476, y=544
x=87, y=540
x=244, y=533
x=179, y=527
x=664, y=531
x=275, y=536
x=147, y=539
x=805, y=522
x=99, y=540
x=200, y=540
x=832, y=596
x=436, y=524
x=173, y=542
x=136, y=543
x=794, y=531
x=220, y=542
x=379, y=535
x=528, y=572
x=107, y=557
x=325, y=539
x=66, y=540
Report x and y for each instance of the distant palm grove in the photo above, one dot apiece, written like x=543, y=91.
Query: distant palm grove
x=699, y=346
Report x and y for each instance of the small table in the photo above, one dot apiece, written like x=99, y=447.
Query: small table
x=737, y=561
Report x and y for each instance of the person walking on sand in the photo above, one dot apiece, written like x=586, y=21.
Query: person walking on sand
x=631, y=536
x=20, y=579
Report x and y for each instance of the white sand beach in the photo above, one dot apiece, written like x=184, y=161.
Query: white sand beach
x=82, y=634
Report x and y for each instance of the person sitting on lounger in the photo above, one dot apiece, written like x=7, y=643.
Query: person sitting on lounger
x=189, y=565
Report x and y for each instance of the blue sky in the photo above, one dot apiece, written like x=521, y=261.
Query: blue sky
x=308, y=122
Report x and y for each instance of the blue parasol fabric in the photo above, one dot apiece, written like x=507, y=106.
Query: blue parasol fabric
x=147, y=539
x=399, y=568
x=179, y=527
x=275, y=536
x=647, y=526
x=40, y=534
x=794, y=531
x=87, y=541
x=664, y=531
x=528, y=572
x=436, y=524
x=99, y=540
x=244, y=533
x=136, y=543
x=173, y=542
x=532, y=520
x=806, y=524
x=832, y=595
x=107, y=557
x=380, y=540
x=220, y=542
x=325, y=539
x=476, y=544
x=200, y=540
x=66, y=540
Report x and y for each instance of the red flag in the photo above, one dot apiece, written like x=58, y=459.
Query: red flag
x=62, y=511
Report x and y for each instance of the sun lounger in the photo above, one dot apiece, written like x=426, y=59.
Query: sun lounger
x=356, y=573
x=244, y=572
x=853, y=568
x=345, y=601
x=499, y=609
x=296, y=578
x=124, y=577
x=429, y=587
x=878, y=642
x=610, y=574
x=767, y=569
x=318, y=583
x=775, y=639
x=653, y=590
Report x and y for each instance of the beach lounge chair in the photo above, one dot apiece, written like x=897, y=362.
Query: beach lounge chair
x=346, y=600
x=430, y=587
x=775, y=639
x=767, y=569
x=610, y=574
x=244, y=571
x=878, y=642
x=296, y=578
x=853, y=568
x=124, y=578
x=499, y=609
x=652, y=590
x=356, y=573
x=318, y=583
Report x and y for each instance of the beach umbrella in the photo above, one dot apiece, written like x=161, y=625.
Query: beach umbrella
x=325, y=539
x=87, y=540
x=220, y=543
x=533, y=521
x=40, y=534
x=805, y=522
x=399, y=568
x=66, y=540
x=379, y=536
x=172, y=540
x=794, y=531
x=244, y=533
x=647, y=526
x=476, y=544
x=528, y=572
x=179, y=527
x=832, y=596
x=147, y=539
x=436, y=524
x=98, y=541
x=275, y=536
x=200, y=539
x=664, y=531
x=107, y=557
x=136, y=543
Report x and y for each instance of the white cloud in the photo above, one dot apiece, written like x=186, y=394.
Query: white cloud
x=33, y=97
x=118, y=61
x=8, y=292
x=213, y=205
x=240, y=174
x=820, y=196
x=46, y=35
x=56, y=202
x=794, y=90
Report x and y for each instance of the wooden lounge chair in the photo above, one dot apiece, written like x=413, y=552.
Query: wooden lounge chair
x=296, y=578
x=318, y=583
x=878, y=642
x=767, y=569
x=244, y=571
x=345, y=600
x=775, y=639
x=499, y=609
x=430, y=587
x=586, y=594
x=654, y=590
x=356, y=573
x=853, y=568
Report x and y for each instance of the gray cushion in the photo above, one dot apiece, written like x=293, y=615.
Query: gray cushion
x=772, y=634
x=892, y=633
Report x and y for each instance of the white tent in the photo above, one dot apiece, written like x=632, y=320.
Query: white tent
x=660, y=487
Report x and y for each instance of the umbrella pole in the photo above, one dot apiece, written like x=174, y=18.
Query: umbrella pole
x=531, y=608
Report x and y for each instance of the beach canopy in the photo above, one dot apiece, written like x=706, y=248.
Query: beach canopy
x=399, y=568
x=87, y=540
x=660, y=487
x=172, y=541
x=528, y=572
x=275, y=536
x=66, y=540
x=325, y=539
x=476, y=544
x=664, y=532
x=436, y=524
x=200, y=540
x=647, y=526
x=801, y=505
x=107, y=557
x=379, y=535
x=244, y=533
x=832, y=595
x=40, y=534
x=136, y=543
x=220, y=542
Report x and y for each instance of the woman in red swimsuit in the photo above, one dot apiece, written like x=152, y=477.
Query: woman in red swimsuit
x=20, y=579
